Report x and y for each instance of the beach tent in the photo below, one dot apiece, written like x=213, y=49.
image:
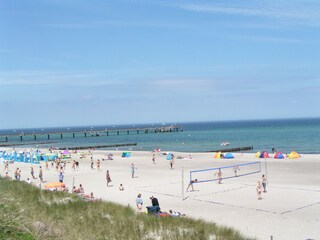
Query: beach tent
x=293, y=155
x=228, y=155
x=257, y=155
x=126, y=154
x=264, y=154
x=218, y=155
x=169, y=156
x=278, y=155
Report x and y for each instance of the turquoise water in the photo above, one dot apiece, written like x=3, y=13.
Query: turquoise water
x=302, y=135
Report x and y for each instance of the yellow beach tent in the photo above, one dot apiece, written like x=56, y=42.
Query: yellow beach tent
x=293, y=155
x=257, y=155
x=218, y=155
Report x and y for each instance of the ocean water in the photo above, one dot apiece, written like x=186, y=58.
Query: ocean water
x=286, y=135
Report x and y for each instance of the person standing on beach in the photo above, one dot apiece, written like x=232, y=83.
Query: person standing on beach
x=6, y=166
x=139, y=203
x=32, y=173
x=40, y=174
x=47, y=165
x=91, y=165
x=171, y=163
x=264, y=183
x=108, y=178
x=61, y=177
x=133, y=170
x=154, y=159
x=259, y=189
x=98, y=165
x=219, y=175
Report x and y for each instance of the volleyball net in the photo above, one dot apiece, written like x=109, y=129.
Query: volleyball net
x=231, y=171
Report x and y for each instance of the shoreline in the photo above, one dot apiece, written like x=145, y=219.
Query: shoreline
x=292, y=200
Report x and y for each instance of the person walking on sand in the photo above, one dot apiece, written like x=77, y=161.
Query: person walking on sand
x=191, y=184
x=47, y=165
x=139, y=203
x=154, y=159
x=133, y=170
x=108, y=178
x=219, y=175
x=264, y=183
x=259, y=189
x=32, y=173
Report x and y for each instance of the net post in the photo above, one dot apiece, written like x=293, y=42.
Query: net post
x=182, y=183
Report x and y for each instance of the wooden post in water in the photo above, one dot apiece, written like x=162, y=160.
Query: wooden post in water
x=21, y=138
x=73, y=135
x=48, y=136
x=85, y=134
x=128, y=132
x=35, y=137
x=117, y=132
x=61, y=135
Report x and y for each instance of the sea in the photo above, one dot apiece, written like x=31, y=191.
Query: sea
x=285, y=135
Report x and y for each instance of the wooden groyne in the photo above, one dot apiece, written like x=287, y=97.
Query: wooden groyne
x=34, y=136
x=238, y=149
x=6, y=144
x=99, y=146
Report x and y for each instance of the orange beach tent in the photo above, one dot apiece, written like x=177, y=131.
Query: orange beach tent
x=218, y=155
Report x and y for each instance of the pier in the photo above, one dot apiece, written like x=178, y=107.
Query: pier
x=34, y=136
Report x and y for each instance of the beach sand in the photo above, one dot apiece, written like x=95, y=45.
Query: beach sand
x=289, y=210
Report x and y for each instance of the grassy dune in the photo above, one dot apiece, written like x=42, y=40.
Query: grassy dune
x=26, y=212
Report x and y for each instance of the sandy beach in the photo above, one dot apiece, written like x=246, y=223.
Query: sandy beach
x=289, y=210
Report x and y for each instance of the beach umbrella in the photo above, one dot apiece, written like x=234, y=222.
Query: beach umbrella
x=278, y=155
x=228, y=156
x=264, y=154
x=293, y=155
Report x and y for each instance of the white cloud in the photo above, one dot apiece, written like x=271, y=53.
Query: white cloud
x=302, y=11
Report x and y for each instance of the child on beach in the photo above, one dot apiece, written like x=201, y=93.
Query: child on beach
x=121, y=188
x=40, y=174
x=259, y=189
x=219, y=175
x=235, y=170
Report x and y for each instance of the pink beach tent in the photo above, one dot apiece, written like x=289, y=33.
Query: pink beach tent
x=264, y=154
x=66, y=152
x=278, y=155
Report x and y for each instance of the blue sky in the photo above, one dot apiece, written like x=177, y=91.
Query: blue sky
x=66, y=63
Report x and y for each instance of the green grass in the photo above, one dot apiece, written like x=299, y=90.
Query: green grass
x=27, y=213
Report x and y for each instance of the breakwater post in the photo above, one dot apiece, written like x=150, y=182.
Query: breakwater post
x=239, y=149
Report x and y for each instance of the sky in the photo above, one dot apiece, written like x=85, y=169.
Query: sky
x=78, y=63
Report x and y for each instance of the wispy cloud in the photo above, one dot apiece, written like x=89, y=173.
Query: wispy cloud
x=55, y=78
x=298, y=10
x=117, y=23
